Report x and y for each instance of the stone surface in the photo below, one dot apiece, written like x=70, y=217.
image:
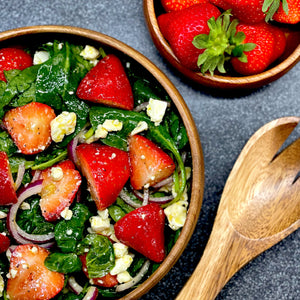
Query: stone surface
x=224, y=123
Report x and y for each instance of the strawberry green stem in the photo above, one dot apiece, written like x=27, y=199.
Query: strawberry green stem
x=271, y=6
x=220, y=44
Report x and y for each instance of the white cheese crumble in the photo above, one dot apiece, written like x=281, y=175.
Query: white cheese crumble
x=176, y=214
x=156, y=110
x=103, y=129
x=63, y=124
x=25, y=206
x=120, y=250
x=3, y=215
x=124, y=277
x=1, y=285
x=67, y=214
x=40, y=57
x=141, y=126
x=113, y=125
x=121, y=264
x=56, y=173
x=90, y=53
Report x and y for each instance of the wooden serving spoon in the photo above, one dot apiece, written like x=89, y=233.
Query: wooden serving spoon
x=260, y=206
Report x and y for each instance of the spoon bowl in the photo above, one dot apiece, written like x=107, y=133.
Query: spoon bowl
x=259, y=207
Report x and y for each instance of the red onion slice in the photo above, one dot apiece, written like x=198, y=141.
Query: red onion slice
x=76, y=288
x=18, y=234
x=146, y=196
x=91, y=294
x=136, y=279
x=159, y=200
x=20, y=175
x=128, y=200
x=72, y=150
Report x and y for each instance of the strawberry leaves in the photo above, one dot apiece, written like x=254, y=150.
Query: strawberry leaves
x=271, y=6
x=221, y=44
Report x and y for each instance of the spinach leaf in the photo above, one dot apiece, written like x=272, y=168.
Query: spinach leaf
x=6, y=143
x=17, y=85
x=49, y=157
x=63, y=262
x=100, y=258
x=69, y=232
x=32, y=221
x=16, y=160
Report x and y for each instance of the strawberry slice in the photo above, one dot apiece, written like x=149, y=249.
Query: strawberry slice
x=149, y=163
x=107, y=83
x=29, y=278
x=29, y=126
x=106, y=169
x=143, y=230
x=60, y=185
x=4, y=243
x=7, y=190
x=106, y=281
x=13, y=58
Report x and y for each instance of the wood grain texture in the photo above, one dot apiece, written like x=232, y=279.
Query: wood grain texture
x=290, y=58
x=259, y=207
x=26, y=35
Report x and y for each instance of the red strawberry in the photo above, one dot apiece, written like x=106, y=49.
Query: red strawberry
x=107, y=83
x=106, y=169
x=29, y=278
x=247, y=11
x=7, y=189
x=171, y=5
x=265, y=52
x=280, y=41
x=29, y=126
x=106, y=281
x=4, y=243
x=13, y=58
x=143, y=230
x=149, y=163
x=180, y=27
x=58, y=194
x=293, y=15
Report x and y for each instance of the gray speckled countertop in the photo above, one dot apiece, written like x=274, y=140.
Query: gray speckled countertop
x=224, y=124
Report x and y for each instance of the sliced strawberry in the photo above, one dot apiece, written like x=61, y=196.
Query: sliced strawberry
x=29, y=126
x=106, y=169
x=172, y=5
x=58, y=194
x=4, y=243
x=13, y=58
x=143, y=230
x=29, y=278
x=106, y=281
x=107, y=83
x=7, y=190
x=149, y=163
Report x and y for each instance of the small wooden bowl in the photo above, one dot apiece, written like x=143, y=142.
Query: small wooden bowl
x=153, y=8
x=28, y=35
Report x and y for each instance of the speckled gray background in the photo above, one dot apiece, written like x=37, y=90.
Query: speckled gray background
x=224, y=124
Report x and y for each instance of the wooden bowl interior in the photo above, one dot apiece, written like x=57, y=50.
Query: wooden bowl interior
x=153, y=8
x=40, y=34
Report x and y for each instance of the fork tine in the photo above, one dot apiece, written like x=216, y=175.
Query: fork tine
x=266, y=142
x=289, y=160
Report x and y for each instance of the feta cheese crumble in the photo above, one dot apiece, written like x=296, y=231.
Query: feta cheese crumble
x=141, y=126
x=57, y=173
x=176, y=214
x=156, y=110
x=63, y=124
x=40, y=57
x=90, y=53
x=66, y=214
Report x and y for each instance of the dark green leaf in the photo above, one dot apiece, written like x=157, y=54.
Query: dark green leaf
x=6, y=144
x=63, y=263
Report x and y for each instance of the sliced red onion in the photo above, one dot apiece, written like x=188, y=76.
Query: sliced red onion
x=160, y=200
x=19, y=234
x=72, y=150
x=128, y=200
x=20, y=175
x=163, y=182
x=36, y=176
x=91, y=294
x=141, y=107
x=136, y=279
x=76, y=288
x=146, y=196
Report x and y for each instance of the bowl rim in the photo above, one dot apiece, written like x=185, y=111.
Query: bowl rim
x=218, y=81
x=197, y=188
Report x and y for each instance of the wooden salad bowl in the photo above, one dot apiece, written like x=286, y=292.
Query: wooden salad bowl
x=153, y=8
x=27, y=35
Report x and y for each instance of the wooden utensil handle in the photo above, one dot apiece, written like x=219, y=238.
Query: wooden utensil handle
x=218, y=264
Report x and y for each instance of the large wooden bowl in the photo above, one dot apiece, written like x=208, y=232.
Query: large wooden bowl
x=153, y=8
x=27, y=35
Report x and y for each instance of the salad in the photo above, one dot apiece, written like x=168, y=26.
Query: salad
x=94, y=173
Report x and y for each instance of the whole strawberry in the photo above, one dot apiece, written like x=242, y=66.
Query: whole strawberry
x=13, y=58
x=180, y=27
x=172, y=5
x=285, y=11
